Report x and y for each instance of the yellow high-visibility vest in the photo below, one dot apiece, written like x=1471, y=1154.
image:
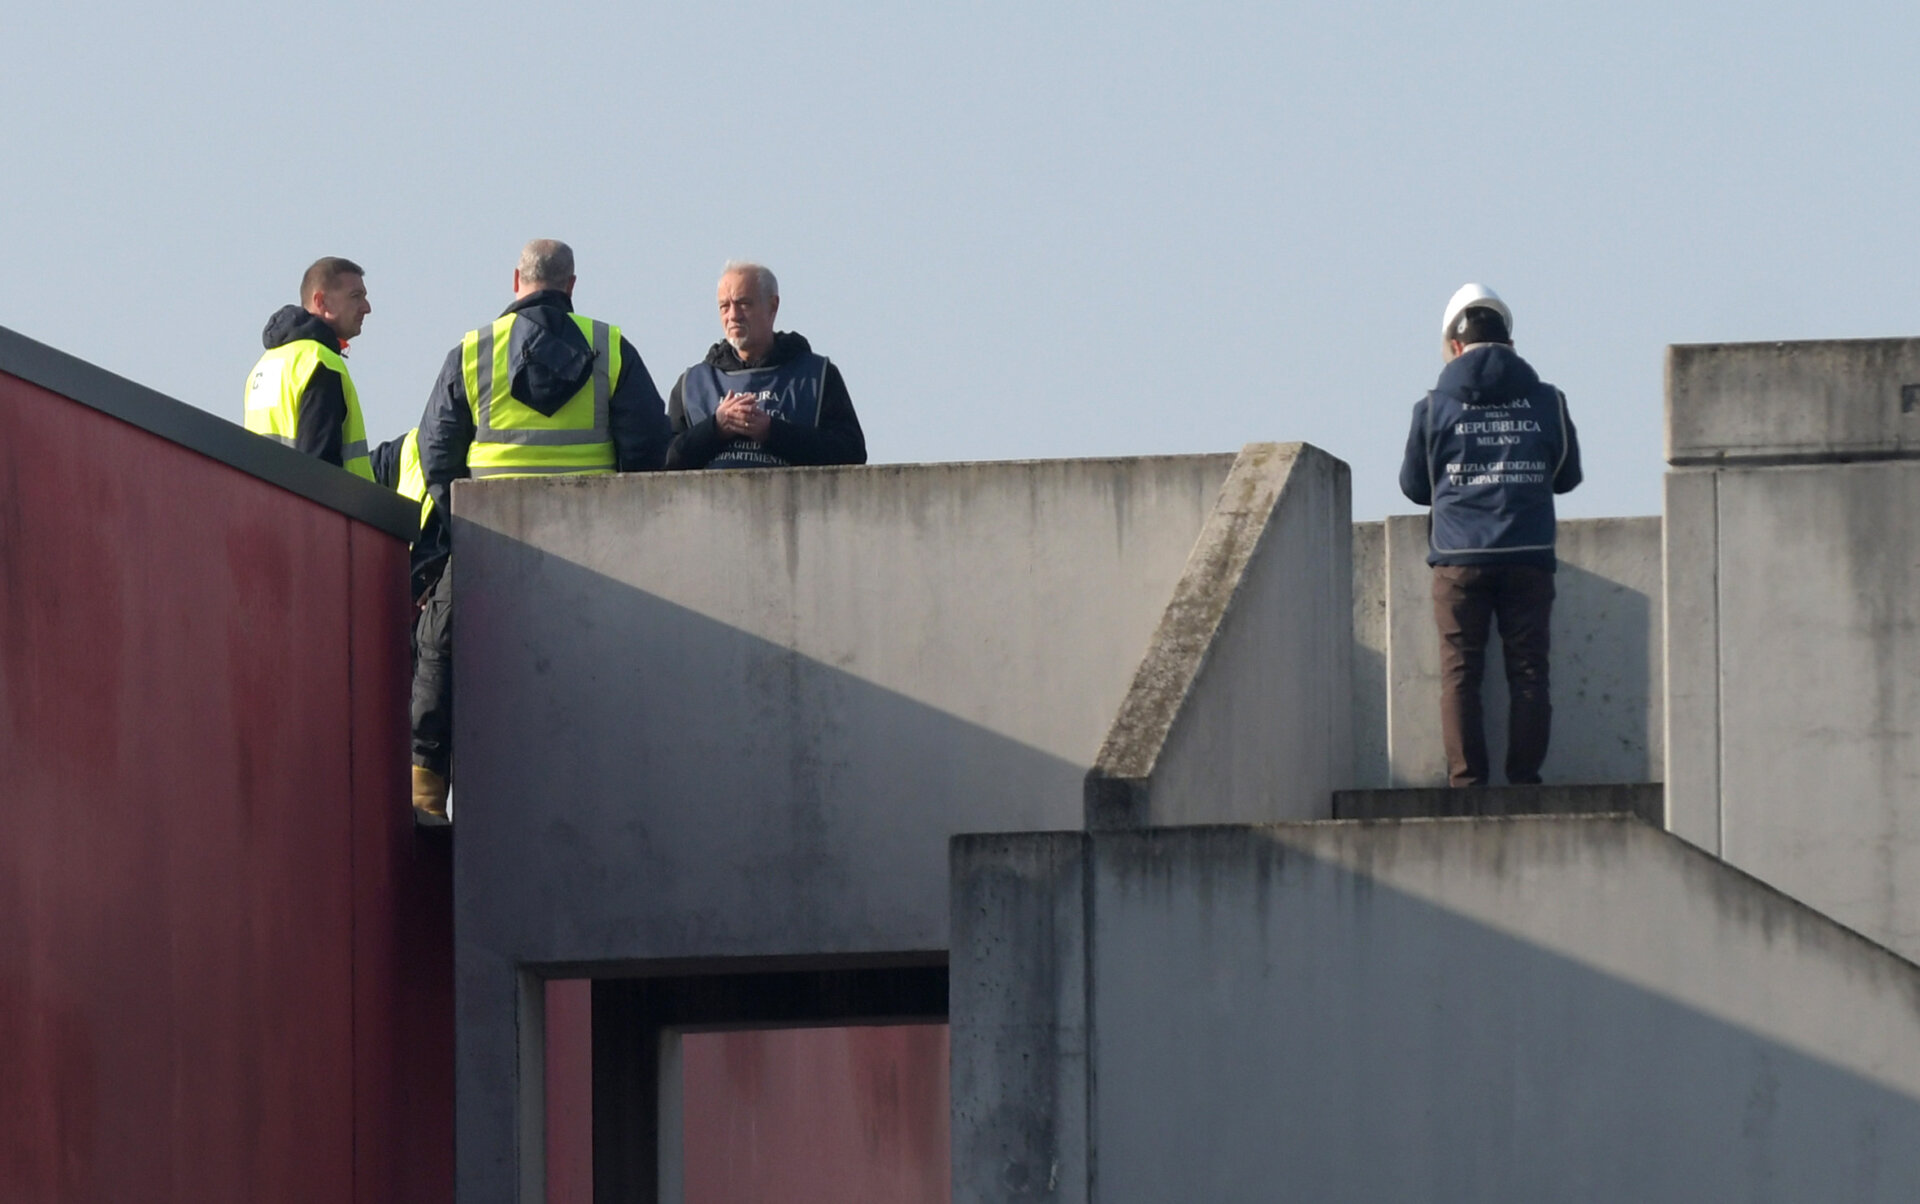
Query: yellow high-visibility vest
x=273, y=399
x=511, y=438
x=412, y=482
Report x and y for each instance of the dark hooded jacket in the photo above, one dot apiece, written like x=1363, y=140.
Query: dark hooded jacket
x=323, y=403
x=549, y=361
x=837, y=439
x=1489, y=448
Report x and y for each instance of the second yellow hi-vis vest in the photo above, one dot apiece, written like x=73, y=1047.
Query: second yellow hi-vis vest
x=273, y=399
x=412, y=482
x=511, y=438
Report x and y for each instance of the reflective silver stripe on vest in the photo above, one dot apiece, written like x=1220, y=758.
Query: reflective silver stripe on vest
x=282, y=440
x=486, y=432
x=525, y=470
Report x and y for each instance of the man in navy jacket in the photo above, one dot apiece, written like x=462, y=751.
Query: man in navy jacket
x=761, y=398
x=1490, y=447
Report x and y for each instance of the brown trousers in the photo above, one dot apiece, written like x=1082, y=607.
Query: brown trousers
x=1465, y=598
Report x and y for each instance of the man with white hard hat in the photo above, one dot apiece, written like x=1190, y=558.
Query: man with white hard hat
x=1491, y=445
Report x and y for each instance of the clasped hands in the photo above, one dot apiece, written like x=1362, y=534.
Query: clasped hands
x=740, y=417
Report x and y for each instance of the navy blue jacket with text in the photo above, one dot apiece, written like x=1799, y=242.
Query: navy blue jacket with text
x=1490, y=447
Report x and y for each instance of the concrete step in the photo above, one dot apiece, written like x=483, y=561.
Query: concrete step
x=1648, y=800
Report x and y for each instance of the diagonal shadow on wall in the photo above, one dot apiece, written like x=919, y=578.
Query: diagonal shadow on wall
x=643, y=790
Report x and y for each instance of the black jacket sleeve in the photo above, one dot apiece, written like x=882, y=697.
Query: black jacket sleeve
x=1416, y=475
x=636, y=417
x=1569, y=474
x=386, y=462
x=838, y=438
x=430, y=550
x=323, y=416
x=446, y=432
x=695, y=446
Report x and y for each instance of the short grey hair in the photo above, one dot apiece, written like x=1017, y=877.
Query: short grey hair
x=546, y=261
x=763, y=276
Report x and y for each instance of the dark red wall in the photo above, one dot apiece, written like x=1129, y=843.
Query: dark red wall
x=816, y=1115
x=225, y=968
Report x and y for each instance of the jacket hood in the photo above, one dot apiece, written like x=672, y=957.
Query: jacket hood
x=1488, y=375
x=548, y=359
x=290, y=324
x=787, y=345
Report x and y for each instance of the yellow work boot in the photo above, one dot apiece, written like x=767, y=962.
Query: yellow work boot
x=429, y=798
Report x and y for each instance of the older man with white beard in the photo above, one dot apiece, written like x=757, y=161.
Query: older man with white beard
x=761, y=398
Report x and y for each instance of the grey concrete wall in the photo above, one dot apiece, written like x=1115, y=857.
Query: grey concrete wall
x=1608, y=671
x=737, y=715
x=1772, y=402
x=1242, y=706
x=1489, y=1010
x=1793, y=550
x=1804, y=705
x=1018, y=1025
x=1690, y=614
x=1371, y=769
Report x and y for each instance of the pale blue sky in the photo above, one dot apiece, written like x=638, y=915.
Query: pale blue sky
x=1021, y=231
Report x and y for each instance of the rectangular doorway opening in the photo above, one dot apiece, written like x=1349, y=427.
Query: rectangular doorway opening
x=796, y=1085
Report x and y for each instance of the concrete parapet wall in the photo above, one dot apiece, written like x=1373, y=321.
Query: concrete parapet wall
x=1690, y=554
x=1497, y=1010
x=1607, y=663
x=1369, y=657
x=1798, y=700
x=1241, y=707
x=708, y=720
x=1780, y=402
x=1793, y=554
x=738, y=713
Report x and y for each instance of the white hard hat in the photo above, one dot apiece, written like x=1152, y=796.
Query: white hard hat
x=1472, y=296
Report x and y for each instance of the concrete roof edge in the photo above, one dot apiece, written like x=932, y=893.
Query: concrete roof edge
x=1815, y=457
x=1116, y=786
x=1784, y=345
x=1692, y=857
x=212, y=436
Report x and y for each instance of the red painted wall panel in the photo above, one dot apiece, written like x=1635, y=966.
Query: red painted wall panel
x=194, y=702
x=403, y=911
x=569, y=1082
x=816, y=1116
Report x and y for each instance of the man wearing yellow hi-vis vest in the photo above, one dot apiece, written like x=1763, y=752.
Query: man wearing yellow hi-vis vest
x=540, y=391
x=299, y=392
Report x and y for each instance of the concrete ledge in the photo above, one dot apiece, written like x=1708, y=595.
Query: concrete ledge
x=1779, y=403
x=1242, y=707
x=1647, y=801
